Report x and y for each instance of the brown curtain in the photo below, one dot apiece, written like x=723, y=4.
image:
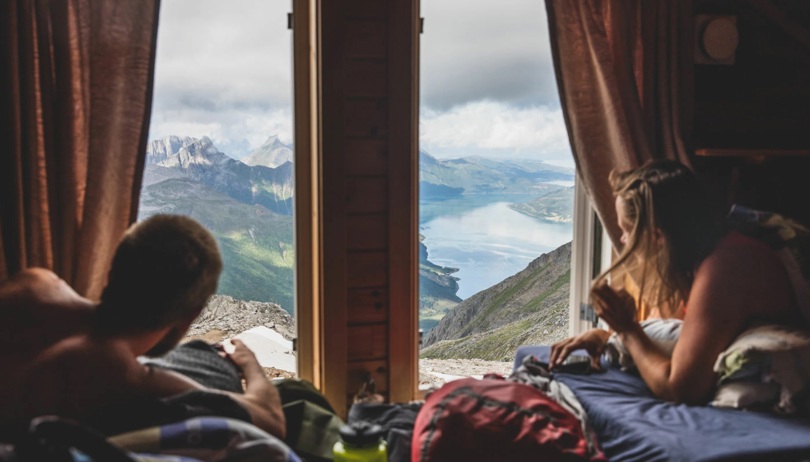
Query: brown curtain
x=624, y=76
x=75, y=99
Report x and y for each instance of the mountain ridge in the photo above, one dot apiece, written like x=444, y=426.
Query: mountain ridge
x=477, y=175
x=530, y=307
x=200, y=160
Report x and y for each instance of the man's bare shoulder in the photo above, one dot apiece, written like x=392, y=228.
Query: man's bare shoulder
x=39, y=308
x=83, y=358
x=75, y=377
x=38, y=285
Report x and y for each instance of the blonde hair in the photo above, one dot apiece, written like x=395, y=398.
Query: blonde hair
x=674, y=224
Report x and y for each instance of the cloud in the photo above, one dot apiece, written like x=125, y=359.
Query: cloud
x=496, y=50
x=234, y=132
x=497, y=128
x=223, y=70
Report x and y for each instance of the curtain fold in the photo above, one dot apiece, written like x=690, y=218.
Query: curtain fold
x=620, y=68
x=75, y=100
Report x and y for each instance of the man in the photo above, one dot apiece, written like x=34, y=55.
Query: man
x=62, y=354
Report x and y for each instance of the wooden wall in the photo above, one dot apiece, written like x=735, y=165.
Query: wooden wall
x=369, y=59
x=752, y=116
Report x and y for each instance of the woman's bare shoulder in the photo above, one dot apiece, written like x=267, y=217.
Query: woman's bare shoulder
x=737, y=254
x=746, y=277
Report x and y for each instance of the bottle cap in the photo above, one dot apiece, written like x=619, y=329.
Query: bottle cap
x=361, y=433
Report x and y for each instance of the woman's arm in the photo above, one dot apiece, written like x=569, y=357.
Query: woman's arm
x=731, y=288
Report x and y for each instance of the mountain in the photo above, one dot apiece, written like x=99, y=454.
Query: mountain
x=556, y=206
x=201, y=161
x=248, y=208
x=256, y=243
x=478, y=175
x=530, y=307
x=273, y=153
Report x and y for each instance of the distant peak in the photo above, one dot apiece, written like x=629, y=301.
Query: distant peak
x=271, y=140
x=426, y=154
x=273, y=153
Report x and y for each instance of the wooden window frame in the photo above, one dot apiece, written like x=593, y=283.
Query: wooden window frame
x=308, y=230
x=317, y=347
x=322, y=353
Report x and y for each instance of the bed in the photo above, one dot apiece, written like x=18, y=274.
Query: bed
x=632, y=425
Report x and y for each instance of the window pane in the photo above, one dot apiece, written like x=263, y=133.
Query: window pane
x=496, y=188
x=221, y=152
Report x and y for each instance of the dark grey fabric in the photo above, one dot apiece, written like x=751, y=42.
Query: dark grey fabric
x=397, y=420
x=201, y=362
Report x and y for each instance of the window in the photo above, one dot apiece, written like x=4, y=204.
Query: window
x=496, y=188
x=222, y=153
x=322, y=110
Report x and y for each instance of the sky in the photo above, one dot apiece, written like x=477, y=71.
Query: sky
x=224, y=70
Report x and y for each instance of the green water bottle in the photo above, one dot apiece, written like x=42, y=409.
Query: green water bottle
x=361, y=442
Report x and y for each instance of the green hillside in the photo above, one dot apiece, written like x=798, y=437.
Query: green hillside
x=539, y=328
x=556, y=206
x=256, y=244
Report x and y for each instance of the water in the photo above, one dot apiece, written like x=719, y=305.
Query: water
x=485, y=239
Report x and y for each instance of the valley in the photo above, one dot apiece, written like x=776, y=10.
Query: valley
x=483, y=222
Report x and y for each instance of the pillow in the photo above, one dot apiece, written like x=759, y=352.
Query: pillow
x=747, y=395
x=663, y=332
x=767, y=354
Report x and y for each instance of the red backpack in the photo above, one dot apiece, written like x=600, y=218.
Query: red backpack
x=492, y=419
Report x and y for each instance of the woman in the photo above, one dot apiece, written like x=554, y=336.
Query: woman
x=690, y=265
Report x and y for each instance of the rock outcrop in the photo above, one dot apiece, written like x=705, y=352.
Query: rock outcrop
x=232, y=317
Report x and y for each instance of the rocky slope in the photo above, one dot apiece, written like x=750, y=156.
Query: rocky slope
x=530, y=307
x=230, y=316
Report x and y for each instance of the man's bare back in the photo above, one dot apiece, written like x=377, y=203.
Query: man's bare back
x=56, y=363
x=63, y=354
x=41, y=317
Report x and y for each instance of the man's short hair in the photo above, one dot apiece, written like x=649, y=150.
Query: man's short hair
x=164, y=270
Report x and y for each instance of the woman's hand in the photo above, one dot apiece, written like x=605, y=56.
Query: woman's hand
x=593, y=341
x=616, y=308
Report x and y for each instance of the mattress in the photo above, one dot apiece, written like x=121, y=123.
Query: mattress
x=633, y=425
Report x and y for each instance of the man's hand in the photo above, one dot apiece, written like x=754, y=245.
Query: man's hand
x=261, y=399
x=242, y=356
x=616, y=308
x=593, y=341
